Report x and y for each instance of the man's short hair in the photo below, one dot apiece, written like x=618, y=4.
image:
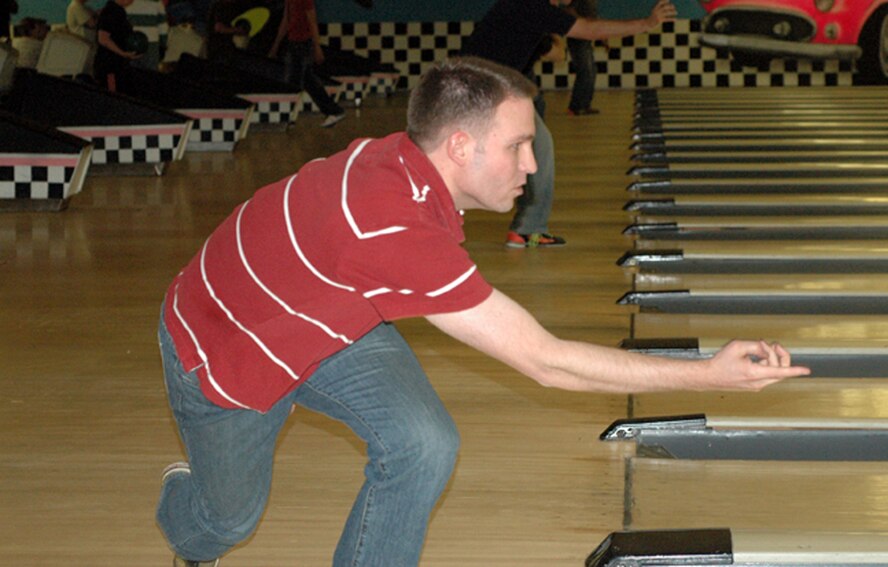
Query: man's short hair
x=461, y=92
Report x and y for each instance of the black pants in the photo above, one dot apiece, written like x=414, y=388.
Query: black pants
x=299, y=71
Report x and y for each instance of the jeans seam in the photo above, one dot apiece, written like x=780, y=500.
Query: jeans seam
x=371, y=490
x=359, y=544
x=337, y=401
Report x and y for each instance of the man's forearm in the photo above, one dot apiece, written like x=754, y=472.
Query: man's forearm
x=594, y=29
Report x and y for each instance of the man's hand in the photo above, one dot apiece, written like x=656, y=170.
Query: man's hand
x=750, y=365
x=663, y=11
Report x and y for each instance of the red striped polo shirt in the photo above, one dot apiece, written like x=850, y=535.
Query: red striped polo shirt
x=313, y=262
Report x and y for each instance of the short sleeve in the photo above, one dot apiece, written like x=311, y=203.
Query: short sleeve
x=416, y=272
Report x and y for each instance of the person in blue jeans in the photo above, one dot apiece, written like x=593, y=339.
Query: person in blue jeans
x=290, y=300
x=582, y=58
x=510, y=34
x=299, y=26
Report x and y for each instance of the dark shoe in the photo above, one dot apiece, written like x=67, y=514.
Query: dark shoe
x=582, y=111
x=533, y=240
x=179, y=562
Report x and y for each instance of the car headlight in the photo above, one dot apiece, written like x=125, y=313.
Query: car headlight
x=824, y=5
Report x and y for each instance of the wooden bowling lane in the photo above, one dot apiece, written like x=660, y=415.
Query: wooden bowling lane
x=756, y=257
x=770, y=495
x=765, y=156
x=711, y=438
x=830, y=227
x=766, y=170
x=756, y=135
x=748, y=476
x=789, y=185
x=756, y=122
x=821, y=332
x=732, y=293
x=740, y=548
x=669, y=208
x=697, y=97
x=659, y=264
x=780, y=495
x=770, y=143
x=777, y=283
x=776, y=110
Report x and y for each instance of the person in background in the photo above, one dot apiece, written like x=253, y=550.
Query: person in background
x=112, y=58
x=220, y=42
x=81, y=20
x=7, y=9
x=149, y=17
x=299, y=26
x=582, y=57
x=510, y=34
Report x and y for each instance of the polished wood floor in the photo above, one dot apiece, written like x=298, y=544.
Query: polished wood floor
x=85, y=429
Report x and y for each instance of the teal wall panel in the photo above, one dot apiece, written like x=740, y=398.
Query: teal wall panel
x=395, y=10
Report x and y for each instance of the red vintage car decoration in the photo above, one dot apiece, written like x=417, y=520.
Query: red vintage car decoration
x=814, y=29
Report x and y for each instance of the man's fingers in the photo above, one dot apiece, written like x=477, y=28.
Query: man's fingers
x=785, y=358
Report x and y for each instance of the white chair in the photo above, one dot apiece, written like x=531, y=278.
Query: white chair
x=183, y=39
x=65, y=55
x=29, y=50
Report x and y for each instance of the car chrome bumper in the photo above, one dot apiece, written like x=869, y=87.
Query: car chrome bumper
x=780, y=48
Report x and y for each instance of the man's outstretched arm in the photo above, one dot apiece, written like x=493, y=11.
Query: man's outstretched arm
x=593, y=28
x=504, y=330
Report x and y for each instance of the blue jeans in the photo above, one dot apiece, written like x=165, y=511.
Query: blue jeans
x=377, y=388
x=535, y=205
x=298, y=69
x=582, y=56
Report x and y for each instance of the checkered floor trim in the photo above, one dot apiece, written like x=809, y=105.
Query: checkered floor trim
x=352, y=89
x=281, y=111
x=135, y=149
x=34, y=182
x=215, y=130
x=672, y=57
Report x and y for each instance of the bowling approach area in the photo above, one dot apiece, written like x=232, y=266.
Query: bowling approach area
x=545, y=478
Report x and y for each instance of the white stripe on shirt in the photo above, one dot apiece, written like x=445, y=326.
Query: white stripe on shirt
x=284, y=305
x=201, y=353
x=453, y=284
x=296, y=247
x=347, y=212
x=240, y=326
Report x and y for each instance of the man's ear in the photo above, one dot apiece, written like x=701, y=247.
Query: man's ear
x=460, y=147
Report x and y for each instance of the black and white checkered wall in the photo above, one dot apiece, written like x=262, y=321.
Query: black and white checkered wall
x=671, y=57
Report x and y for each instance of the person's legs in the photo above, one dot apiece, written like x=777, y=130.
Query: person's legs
x=377, y=387
x=535, y=205
x=299, y=70
x=205, y=513
x=583, y=60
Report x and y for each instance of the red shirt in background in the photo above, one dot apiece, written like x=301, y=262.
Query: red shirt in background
x=299, y=29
